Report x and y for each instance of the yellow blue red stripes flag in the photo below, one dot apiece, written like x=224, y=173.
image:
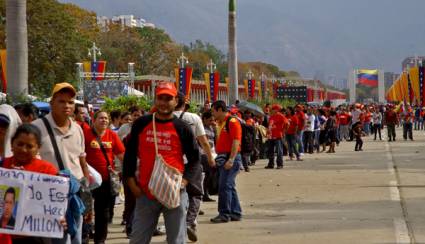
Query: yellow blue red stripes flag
x=368, y=77
x=184, y=80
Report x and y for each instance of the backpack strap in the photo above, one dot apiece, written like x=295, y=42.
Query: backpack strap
x=181, y=115
x=54, y=143
x=99, y=141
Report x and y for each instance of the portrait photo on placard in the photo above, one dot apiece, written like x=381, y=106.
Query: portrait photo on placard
x=8, y=206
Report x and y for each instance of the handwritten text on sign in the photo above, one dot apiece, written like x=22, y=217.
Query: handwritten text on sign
x=32, y=204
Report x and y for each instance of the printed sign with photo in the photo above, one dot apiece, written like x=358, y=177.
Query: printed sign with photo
x=32, y=204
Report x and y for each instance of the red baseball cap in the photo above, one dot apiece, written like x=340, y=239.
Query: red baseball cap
x=167, y=88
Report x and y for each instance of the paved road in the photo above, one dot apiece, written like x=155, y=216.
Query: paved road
x=374, y=196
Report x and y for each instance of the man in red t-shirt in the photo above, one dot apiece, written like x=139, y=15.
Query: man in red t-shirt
x=391, y=121
x=104, y=201
x=291, y=134
x=301, y=124
x=344, y=125
x=278, y=124
x=175, y=139
x=228, y=162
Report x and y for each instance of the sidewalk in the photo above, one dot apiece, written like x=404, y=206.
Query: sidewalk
x=347, y=197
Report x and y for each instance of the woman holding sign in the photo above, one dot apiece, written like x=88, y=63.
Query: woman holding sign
x=102, y=144
x=25, y=145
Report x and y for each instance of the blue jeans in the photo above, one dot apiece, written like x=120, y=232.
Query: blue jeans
x=146, y=215
x=292, y=147
x=67, y=238
x=228, y=201
x=299, y=141
x=275, y=144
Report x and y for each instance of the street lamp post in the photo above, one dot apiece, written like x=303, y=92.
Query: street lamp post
x=94, y=51
x=182, y=61
x=263, y=77
x=211, y=66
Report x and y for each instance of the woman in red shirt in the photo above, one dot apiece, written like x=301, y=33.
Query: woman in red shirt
x=103, y=199
x=25, y=145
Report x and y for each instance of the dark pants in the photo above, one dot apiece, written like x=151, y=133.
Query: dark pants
x=275, y=144
x=377, y=129
x=208, y=174
x=391, y=132
x=193, y=210
x=102, y=204
x=407, y=131
x=292, y=145
x=359, y=143
x=129, y=204
x=228, y=200
x=246, y=159
x=308, y=141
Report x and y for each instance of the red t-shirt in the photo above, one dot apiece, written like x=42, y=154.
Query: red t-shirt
x=36, y=165
x=344, y=118
x=113, y=146
x=277, y=124
x=83, y=125
x=225, y=138
x=5, y=238
x=367, y=117
x=169, y=147
x=293, y=125
x=301, y=119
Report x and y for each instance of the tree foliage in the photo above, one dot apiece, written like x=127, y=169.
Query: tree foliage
x=59, y=36
x=124, y=103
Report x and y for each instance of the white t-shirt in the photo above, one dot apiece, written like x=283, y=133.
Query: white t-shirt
x=309, y=126
x=194, y=121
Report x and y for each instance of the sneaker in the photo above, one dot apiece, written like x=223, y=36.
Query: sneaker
x=269, y=167
x=191, y=233
x=159, y=231
x=300, y=159
x=247, y=169
x=279, y=167
x=201, y=212
x=220, y=219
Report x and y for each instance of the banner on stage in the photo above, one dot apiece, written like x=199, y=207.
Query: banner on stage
x=32, y=204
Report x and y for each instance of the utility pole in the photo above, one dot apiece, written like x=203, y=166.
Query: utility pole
x=232, y=55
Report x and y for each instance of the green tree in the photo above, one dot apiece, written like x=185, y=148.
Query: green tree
x=158, y=51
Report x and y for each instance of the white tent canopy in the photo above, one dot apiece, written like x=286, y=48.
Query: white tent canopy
x=135, y=92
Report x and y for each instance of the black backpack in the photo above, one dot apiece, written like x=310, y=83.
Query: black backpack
x=248, y=135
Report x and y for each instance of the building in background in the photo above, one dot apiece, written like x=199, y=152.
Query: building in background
x=125, y=21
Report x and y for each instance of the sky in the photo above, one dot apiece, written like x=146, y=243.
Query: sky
x=329, y=37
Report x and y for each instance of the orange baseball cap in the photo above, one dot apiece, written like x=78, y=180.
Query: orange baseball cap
x=64, y=86
x=167, y=88
x=276, y=107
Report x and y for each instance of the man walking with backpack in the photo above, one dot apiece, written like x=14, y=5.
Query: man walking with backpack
x=195, y=122
x=228, y=162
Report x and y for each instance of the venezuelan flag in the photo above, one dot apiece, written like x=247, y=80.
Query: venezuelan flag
x=184, y=80
x=211, y=82
x=368, y=77
x=249, y=88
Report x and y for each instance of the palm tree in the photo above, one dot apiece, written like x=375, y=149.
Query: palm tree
x=232, y=55
x=17, y=47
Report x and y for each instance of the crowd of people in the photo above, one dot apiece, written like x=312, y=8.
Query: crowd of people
x=205, y=150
